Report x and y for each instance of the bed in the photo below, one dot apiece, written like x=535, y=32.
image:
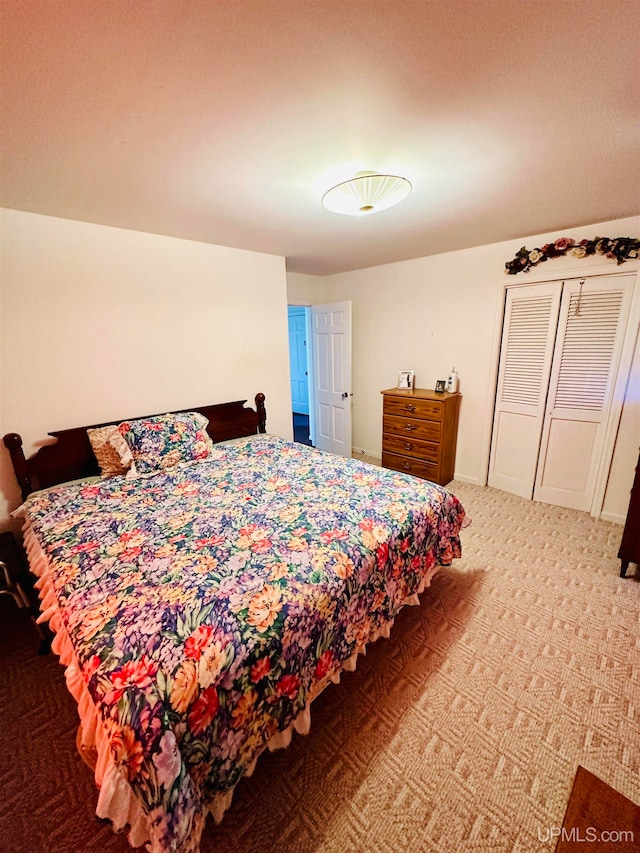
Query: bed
x=200, y=604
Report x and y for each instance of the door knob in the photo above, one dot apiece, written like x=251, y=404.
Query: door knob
x=344, y=395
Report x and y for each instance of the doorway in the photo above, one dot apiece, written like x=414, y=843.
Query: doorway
x=300, y=372
x=320, y=370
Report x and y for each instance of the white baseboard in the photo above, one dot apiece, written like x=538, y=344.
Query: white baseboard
x=462, y=478
x=361, y=451
x=613, y=517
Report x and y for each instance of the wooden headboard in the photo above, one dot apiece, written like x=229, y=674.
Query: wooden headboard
x=71, y=456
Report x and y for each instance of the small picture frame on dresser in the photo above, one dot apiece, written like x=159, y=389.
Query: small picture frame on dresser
x=441, y=385
x=406, y=380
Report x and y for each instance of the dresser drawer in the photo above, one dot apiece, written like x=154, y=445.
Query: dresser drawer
x=426, y=470
x=410, y=446
x=412, y=427
x=414, y=408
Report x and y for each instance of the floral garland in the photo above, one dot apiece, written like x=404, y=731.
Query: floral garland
x=620, y=248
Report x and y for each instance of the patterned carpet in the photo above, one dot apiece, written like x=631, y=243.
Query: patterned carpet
x=463, y=732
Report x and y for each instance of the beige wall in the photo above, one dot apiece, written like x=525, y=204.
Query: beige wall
x=627, y=447
x=305, y=289
x=100, y=323
x=436, y=312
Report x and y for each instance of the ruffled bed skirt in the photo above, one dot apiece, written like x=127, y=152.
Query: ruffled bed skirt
x=116, y=800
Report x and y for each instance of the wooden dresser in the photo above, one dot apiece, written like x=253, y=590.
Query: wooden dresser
x=419, y=433
x=630, y=546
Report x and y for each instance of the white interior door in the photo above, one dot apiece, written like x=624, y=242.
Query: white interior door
x=331, y=326
x=593, y=317
x=530, y=320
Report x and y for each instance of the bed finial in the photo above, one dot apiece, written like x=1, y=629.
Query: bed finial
x=13, y=443
x=262, y=412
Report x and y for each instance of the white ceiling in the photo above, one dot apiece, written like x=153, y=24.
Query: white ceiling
x=225, y=120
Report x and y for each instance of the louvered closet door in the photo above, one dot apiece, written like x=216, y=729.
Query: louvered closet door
x=593, y=317
x=531, y=316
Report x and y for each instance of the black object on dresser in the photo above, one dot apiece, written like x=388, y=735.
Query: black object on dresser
x=630, y=546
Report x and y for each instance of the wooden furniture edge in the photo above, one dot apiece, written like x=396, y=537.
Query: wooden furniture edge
x=420, y=393
x=629, y=551
x=71, y=456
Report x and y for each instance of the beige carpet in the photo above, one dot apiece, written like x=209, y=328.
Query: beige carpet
x=465, y=729
x=463, y=732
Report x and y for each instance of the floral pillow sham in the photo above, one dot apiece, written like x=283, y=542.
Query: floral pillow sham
x=155, y=444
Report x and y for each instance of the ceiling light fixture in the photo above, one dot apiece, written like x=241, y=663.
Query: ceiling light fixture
x=367, y=192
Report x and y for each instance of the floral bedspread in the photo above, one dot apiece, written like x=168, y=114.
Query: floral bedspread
x=205, y=602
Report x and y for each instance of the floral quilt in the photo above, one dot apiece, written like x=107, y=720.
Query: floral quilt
x=204, y=603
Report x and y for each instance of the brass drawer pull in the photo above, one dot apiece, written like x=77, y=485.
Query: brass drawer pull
x=407, y=466
x=408, y=445
x=410, y=408
x=411, y=427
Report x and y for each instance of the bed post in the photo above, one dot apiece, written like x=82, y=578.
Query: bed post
x=262, y=412
x=13, y=443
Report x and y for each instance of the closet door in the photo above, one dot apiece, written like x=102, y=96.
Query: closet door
x=528, y=334
x=593, y=317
